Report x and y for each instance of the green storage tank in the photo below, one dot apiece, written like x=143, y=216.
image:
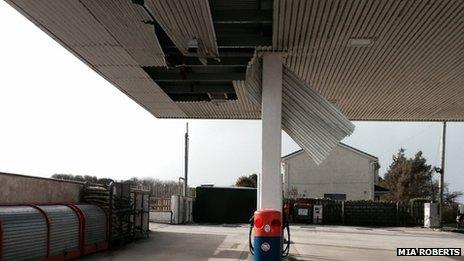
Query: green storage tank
x=224, y=204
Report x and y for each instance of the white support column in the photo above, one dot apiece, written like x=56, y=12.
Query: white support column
x=270, y=183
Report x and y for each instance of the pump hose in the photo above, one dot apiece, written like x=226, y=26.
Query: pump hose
x=250, y=245
x=285, y=251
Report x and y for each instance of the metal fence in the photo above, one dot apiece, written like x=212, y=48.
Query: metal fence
x=363, y=213
x=160, y=204
x=160, y=210
x=166, y=190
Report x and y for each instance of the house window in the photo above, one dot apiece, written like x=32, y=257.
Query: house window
x=335, y=196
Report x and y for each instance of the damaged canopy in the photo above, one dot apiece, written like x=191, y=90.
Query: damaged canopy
x=188, y=23
x=314, y=123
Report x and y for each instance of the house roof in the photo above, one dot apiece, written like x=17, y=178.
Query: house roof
x=341, y=144
x=378, y=188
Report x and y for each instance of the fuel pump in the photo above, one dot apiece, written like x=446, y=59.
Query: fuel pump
x=267, y=229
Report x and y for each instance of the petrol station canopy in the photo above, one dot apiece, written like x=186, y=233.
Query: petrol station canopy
x=383, y=60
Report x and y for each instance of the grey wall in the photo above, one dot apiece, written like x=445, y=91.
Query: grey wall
x=19, y=189
x=344, y=171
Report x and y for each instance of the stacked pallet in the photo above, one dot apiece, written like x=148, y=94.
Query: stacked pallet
x=127, y=209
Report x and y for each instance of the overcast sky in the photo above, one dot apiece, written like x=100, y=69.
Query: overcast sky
x=59, y=116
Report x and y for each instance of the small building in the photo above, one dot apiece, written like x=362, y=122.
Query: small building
x=346, y=174
x=380, y=193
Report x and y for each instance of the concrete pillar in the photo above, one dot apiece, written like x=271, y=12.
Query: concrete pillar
x=270, y=182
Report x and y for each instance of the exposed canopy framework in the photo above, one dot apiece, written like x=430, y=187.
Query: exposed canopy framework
x=375, y=60
x=188, y=24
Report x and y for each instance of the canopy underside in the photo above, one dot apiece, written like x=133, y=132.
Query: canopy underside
x=374, y=60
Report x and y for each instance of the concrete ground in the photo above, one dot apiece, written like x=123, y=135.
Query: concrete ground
x=325, y=243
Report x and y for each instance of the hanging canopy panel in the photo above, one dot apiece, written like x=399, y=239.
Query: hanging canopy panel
x=314, y=123
x=189, y=25
x=129, y=25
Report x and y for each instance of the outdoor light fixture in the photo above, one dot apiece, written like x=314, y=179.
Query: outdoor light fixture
x=360, y=42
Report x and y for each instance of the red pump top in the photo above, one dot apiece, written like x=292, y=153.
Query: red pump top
x=267, y=223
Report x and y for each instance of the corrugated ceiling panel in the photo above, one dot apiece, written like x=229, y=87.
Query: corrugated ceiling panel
x=315, y=124
x=185, y=21
x=242, y=108
x=411, y=69
x=105, y=55
x=71, y=24
x=127, y=23
x=253, y=83
x=414, y=48
x=68, y=20
x=135, y=82
x=145, y=57
x=123, y=72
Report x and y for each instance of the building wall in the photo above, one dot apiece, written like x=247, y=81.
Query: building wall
x=20, y=189
x=342, y=172
x=380, y=197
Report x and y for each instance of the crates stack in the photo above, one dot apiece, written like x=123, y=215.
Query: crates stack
x=51, y=232
x=96, y=194
x=127, y=209
x=141, y=215
x=121, y=209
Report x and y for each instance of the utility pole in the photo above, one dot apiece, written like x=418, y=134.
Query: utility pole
x=441, y=182
x=185, y=192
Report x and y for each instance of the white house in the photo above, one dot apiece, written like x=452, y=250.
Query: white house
x=346, y=174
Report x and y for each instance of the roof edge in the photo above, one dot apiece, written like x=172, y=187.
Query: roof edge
x=341, y=144
x=42, y=178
